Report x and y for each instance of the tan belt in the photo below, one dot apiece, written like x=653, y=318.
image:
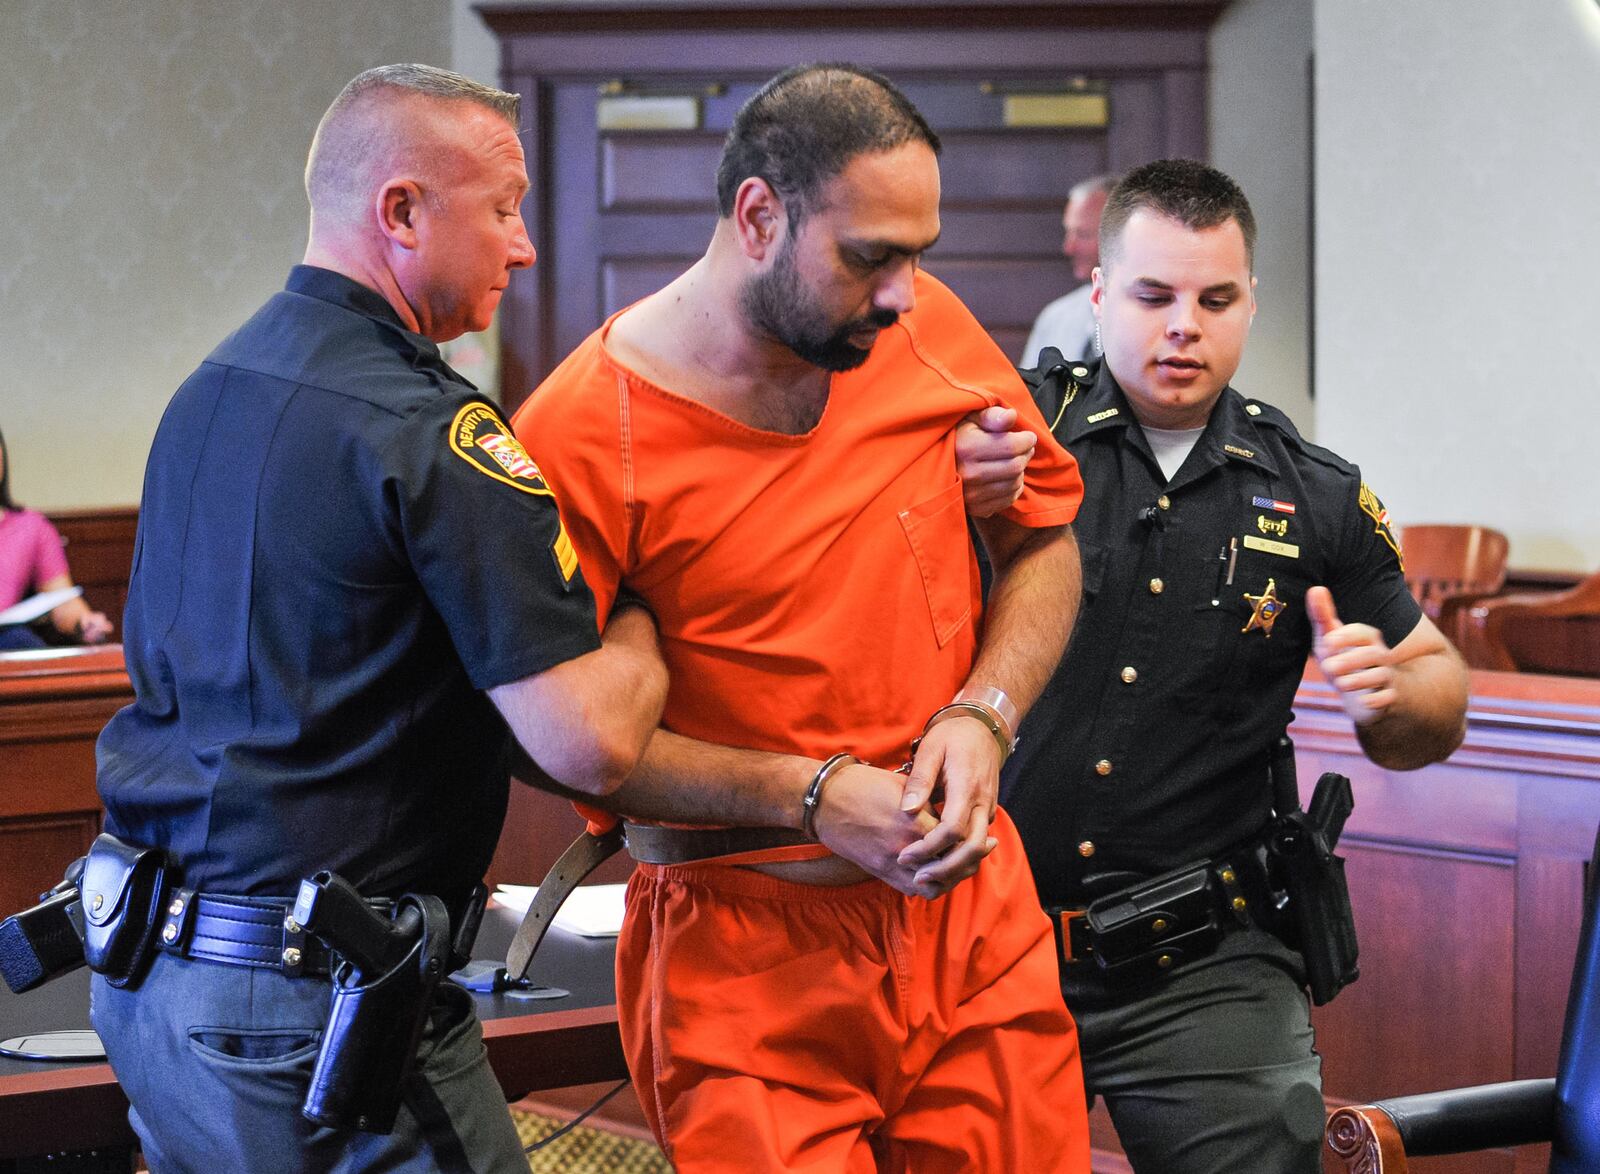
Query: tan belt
x=646, y=843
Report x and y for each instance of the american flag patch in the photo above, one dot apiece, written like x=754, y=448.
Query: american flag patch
x=1267, y=503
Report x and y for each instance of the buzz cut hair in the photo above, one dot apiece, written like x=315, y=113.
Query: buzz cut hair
x=803, y=128
x=1194, y=194
x=345, y=146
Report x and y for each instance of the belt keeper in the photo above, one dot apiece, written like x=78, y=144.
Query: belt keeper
x=813, y=796
x=292, y=957
x=177, y=920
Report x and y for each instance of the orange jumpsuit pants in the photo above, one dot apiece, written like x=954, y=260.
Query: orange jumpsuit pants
x=773, y=1026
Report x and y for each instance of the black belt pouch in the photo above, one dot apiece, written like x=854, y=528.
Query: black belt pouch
x=121, y=889
x=373, y=1030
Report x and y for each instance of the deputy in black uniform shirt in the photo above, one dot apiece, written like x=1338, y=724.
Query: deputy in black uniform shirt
x=1219, y=548
x=341, y=549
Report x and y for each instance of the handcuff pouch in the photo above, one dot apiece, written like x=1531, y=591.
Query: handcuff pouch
x=121, y=892
x=1154, y=926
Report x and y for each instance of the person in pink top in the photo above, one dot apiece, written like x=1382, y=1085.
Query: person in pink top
x=32, y=560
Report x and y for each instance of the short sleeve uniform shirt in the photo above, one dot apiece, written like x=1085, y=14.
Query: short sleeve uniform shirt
x=1149, y=747
x=340, y=545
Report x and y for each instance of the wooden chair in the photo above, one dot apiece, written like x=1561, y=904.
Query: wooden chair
x=1450, y=567
x=1484, y=620
x=1565, y=1110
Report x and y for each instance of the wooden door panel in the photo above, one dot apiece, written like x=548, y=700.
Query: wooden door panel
x=662, y=171
x=1016, y=168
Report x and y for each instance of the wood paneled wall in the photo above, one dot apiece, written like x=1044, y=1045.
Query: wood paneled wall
x=52, y=707
x=100, y=554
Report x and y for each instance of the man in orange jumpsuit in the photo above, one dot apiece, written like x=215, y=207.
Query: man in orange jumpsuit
x=764, y=451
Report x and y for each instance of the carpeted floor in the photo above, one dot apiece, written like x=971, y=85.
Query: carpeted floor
x=586, y=1151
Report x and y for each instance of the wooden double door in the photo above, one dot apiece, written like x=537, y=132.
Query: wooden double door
x=1028, y=100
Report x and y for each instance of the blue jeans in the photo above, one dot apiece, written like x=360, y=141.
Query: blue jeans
x=216, y=1061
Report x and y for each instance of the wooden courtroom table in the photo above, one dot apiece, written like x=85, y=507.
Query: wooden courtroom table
x=533, y=1044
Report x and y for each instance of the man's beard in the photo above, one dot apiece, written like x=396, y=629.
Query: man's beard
x=777, y=303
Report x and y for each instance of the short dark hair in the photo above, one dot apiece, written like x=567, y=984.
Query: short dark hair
x=805, y=125
x=1194, y=194
x=6, y=501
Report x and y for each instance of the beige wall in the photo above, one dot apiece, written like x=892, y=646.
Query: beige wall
x=1458, y=262
x=1260, y=125
x=152, y=198
x=151, y=188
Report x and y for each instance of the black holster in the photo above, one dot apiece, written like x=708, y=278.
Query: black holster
x=376, y=1022
x=122, y=890
x=1319, y=921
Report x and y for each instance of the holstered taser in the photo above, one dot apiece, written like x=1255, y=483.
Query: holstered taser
x=46, y=941
x=1320, y=922
x=382, y=993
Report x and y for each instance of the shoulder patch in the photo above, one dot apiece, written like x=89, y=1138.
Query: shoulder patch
x=480, y=436
x=1373, y=508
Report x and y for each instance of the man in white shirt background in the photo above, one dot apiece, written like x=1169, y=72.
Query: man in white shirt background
x=1068, y=322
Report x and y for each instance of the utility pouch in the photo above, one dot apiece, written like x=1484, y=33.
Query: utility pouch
x=1157, y=925
x=121, y=890
x=1300, y=854
x=46, y=941
x=375, y=1023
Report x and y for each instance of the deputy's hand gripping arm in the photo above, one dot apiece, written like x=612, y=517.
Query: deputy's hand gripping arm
x=586, y=721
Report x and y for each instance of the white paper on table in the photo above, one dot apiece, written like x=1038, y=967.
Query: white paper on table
x=35, y=606
x=593, y=911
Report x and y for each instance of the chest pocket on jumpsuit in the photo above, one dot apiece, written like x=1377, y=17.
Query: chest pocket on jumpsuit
x=937, y=531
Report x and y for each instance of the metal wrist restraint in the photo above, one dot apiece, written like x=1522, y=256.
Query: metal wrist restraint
x=813, y=795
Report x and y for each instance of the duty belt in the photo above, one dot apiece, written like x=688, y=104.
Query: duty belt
x=1154, y=926
x=246, y=931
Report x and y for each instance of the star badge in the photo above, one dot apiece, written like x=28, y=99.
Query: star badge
x=1266, y=608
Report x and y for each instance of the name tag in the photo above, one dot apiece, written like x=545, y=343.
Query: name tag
x=1286, y=549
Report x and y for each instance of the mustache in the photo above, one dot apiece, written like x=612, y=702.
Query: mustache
x=881, y=319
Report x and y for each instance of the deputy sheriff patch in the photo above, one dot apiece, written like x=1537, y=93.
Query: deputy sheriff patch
x=1373, y=508
x=479, y=436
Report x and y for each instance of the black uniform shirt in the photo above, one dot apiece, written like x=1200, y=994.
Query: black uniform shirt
x=1149, y=747
x=340, y=544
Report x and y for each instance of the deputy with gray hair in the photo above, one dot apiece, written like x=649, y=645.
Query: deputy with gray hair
x=349, y=580
x=1068, y=322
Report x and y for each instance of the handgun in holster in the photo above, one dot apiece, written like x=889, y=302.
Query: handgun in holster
x=103, y=914
x=1318, y=920
x=382, y=992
